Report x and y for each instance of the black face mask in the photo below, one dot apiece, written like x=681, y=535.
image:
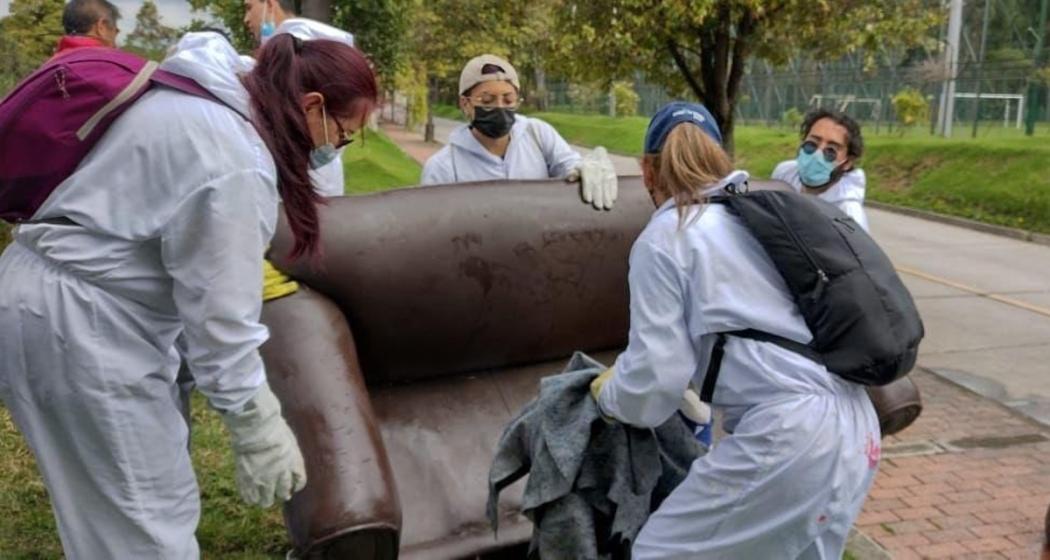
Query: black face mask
x=493, y=122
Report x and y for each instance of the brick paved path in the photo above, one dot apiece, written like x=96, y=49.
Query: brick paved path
x=970, y=479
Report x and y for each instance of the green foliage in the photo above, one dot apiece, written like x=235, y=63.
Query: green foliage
x=702, y=47
x=409, y=81
x=792, y=118
x=5, y=235
x=28, y=37
x=229, y=14
x=150, y=38
x=911, y=108
x=379, y=28
x=626, y=99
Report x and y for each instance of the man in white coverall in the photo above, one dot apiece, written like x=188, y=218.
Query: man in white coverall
x=499, y=143
x=826, y=165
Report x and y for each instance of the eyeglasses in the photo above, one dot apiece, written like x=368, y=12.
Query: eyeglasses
x=830, y=154
x=345, y=138
x=508, y=100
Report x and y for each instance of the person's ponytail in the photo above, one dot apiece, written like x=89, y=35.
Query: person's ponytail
x=286, y=69
x=276, y=88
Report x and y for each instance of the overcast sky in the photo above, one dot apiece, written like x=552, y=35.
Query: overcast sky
x=173, y=13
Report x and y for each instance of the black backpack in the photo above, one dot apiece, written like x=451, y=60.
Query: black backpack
x=865, y=325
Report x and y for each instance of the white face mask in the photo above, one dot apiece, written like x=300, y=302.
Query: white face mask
x=326, y=153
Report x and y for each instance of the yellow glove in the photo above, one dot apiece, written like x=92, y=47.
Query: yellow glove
x=599, y=382
x=275, y=283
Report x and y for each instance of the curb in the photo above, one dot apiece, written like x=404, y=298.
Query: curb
x=1002, y=231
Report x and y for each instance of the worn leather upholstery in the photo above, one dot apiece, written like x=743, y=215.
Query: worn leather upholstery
x=459, y=299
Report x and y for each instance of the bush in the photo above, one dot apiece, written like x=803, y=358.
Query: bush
x=626, y=99
x=5, y=234
x=910, y=107
x=791, y=119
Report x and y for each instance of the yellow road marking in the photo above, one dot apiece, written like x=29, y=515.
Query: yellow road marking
x=975, y=291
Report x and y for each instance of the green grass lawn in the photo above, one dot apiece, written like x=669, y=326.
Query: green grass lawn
x=1001, y=178
x=448, y=112
x=228, y=528
x=377, y=164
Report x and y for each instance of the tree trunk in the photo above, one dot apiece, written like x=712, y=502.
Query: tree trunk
x=428, y=131
x=541, y=87
x=318, y=10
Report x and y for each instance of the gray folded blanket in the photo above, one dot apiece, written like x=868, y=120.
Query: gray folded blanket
x=592, y=483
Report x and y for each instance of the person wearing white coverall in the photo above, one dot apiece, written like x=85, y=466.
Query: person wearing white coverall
x=159, y=233
x=500, y=144
x=826, y=165
x=266, y=18
x=803, y=444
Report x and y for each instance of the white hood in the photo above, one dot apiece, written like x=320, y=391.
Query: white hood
x=307, y=29
x=210, y=60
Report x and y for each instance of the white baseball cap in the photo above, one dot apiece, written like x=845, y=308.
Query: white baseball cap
x=472, y=75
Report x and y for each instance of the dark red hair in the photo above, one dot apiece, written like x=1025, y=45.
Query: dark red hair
x=286, y=69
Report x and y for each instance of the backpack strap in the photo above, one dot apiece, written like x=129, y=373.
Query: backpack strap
x=713, y=367
x=188, y=86
x=133, y=89
x=718, y=352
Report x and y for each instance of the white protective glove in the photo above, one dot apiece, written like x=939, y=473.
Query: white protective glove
x=695, y=409
x=597, y=178
x=269, y=463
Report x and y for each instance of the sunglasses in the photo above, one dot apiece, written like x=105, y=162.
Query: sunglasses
x=830, y=154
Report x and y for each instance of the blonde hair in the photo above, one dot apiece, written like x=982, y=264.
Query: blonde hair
x=689, y=161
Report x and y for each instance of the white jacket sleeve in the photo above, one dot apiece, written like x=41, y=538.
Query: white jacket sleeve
x=561, y=158
x=654, y=371
x=438, y=169
x=212, y=246
x=855, y=209
x=784, y=171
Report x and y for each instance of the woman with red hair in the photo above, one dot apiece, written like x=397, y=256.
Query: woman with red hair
x=160, y=232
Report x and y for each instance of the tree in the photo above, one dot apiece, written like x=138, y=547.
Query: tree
x=702, y=47
x=28, y=37
x=230, y=13
x=150, y=38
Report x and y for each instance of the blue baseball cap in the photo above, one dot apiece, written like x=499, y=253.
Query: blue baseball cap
x=673, y=114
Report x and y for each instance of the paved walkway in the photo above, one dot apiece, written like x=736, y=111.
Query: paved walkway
x=971, y=478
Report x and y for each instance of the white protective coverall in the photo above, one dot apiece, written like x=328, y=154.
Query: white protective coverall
x=328, y=180
x=536, y=151
x=847, y=193
x=803, y=447
x=160, y=231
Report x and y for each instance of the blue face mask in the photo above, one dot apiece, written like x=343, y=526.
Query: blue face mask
x=326, y=153
x=266, y=31
x=268, y=27
x=814, y=169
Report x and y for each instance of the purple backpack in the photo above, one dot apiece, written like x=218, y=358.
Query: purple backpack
x=51, y=120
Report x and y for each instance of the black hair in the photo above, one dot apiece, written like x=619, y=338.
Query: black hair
x=854, y=140
x=486, y=69
x=79, y=16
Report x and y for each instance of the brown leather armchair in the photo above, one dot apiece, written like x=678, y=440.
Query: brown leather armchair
x=427, y=324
